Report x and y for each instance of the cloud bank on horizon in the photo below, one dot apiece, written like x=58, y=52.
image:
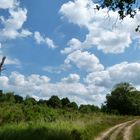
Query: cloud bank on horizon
x=84, y=66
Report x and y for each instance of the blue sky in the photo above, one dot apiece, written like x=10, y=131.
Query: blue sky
x=66, y=48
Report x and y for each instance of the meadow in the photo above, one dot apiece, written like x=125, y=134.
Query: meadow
x=60, y=119
x=43, y=123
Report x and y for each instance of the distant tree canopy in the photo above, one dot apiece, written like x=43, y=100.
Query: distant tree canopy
x=54, y=102
x=124, y=99
x=30, y=101
x=88, y=108
x=65, y=102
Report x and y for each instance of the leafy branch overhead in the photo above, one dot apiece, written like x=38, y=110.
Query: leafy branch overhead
x=124, y=8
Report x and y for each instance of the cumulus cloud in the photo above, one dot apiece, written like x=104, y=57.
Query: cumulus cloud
x=74, y=44
x=9, y=60
x=6, y=4
x=92, y=91
x=77, y=12
x=41, y=87
x=106, y=32
x=13, y=25
x=123, y=72
x=85, y=61
x=57, y=69
x=25, y=33
x=72, y=78
x=44, y=40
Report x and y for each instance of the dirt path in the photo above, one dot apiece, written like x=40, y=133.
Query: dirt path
x=128, y=130
x=119, y=129
x=113, y=132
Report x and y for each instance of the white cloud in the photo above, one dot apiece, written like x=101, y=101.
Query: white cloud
x=99, y=78
x=77, y=12
x=25, y=33
x=39, y=39
x=123, y=72
x=13, y=24
x=72, y=78
x=85, y=61
x=93, y=91
x=44, y=40
x=50, y=43
x=41, y=87
x=6, y=4
x=57, y=69
x=74, y=44
x=106, y=32
x=10, y=61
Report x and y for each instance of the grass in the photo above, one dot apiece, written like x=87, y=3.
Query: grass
x=80, y=127
x=136, y=132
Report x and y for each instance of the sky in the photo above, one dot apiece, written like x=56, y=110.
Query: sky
x=66, y=48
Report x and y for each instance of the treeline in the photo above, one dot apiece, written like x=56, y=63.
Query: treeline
x=53, y=102
x=124, y=99
x=15, y=109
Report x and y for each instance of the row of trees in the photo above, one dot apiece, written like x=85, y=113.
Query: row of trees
x=53, y=102
x=124, y=99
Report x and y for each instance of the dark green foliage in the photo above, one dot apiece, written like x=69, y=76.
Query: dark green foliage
x=124, y=7
x=65, y=102
x=124, y=99
x=31, y=120
x=88, y=108
x=30, y=133
x=8, y=97
x=18, y=99
x=11, y=113
x=54, y=102
x=72, y=106
x=42, y=102
x=30, y=101
x=76, y=135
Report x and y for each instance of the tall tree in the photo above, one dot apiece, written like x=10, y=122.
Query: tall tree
x=124, y=99
x=65, y=102
x=54, y=102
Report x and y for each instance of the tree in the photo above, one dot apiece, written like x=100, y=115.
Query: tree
x=124, y=99
x=30, y=101
x=65, y=102
x=88, y=108
x=123, y=7
x=9, y=96
x=54, y=102
x=73, y=106
x=42, y=102
x=18, y=98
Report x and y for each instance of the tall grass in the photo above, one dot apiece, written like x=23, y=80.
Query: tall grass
x=80, y=127
x=136, y=132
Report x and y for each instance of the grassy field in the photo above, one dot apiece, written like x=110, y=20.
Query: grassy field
x=79, y=127
x=136, y=132
x=55, y=119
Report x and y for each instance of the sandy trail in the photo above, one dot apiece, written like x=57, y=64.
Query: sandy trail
x=128, y=130
x=116, y=130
